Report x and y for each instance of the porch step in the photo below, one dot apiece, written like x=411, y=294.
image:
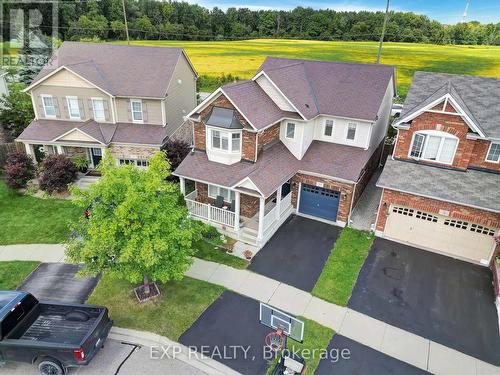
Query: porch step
x=85, y=181
x=248, y=235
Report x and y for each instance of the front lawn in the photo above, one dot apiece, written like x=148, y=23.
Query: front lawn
x=214, y=253
x=316, y=338
x=180, y=304
x=13, y=273
x=341, y=270
x=25, y=219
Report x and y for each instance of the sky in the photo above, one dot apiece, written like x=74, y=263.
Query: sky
x=445, y=11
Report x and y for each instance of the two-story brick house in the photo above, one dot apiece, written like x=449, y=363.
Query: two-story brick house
x=300, y=137
x=93, y=96
x=441, y=187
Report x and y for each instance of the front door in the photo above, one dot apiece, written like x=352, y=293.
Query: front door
x=96, y=154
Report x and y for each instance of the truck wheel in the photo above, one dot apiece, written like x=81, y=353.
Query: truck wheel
x=50, y=367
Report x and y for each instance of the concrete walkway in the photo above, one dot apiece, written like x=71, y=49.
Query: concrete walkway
x=390, y=340
x=365, y=212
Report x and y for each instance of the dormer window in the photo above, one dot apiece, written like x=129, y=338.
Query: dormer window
x=136, y=110
x=436, y=146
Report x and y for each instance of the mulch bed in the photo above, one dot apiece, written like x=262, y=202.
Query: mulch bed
x=140, y=294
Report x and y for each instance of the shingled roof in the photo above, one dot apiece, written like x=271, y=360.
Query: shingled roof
x=479, y=97
x=120, y=70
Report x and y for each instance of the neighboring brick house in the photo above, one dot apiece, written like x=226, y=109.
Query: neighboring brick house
x=441, y=187
x=301, y=137
x=93, y=96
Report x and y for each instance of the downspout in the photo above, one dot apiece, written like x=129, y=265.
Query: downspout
x=352, y=202
x=256, y=145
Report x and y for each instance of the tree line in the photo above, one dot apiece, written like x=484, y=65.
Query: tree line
x=153, y=19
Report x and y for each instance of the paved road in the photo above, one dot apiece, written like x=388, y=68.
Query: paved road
x=59, y=282
x=297, y=252
x=117, y=358
x=437, y=297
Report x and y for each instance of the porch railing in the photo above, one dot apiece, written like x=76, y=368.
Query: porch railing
x=270, y=217
x=208, y=212
x=285, y=203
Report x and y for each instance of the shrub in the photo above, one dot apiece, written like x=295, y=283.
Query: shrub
x=176, y=151
x=19, y=169
x=56, y=172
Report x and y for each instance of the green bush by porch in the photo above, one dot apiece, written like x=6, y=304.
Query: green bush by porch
x=341, y=270
x=25, y=219
x=180, y=304
x=13, y=273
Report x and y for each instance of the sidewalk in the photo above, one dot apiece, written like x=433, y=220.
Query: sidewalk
x=385, y=338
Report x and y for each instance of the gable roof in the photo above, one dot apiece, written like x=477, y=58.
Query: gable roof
x=477, y=97
x=331, y=88
x=120, y=70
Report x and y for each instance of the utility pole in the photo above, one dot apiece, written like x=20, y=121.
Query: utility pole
x=465, y=11
x=386, y=17
x=126, y=24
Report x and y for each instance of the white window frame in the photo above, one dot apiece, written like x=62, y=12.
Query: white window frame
x=351, y=124
x=132, y=111
x=433, y=133
x=488, y=153
x=134, y=162
x=229, y=136
x=103, y=118
x=68, y=103
x=231, y=193
x=288, y=123
x=45, y=107
x=325, y=126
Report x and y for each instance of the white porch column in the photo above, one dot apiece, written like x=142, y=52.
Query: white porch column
x=262, y=203
x=60, y=150
x=182, y=184
x=278, y=202
x=236, y=210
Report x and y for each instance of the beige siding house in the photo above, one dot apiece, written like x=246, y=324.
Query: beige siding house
x=95, y=96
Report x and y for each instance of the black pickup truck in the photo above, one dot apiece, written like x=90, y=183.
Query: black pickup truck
x=54, y=336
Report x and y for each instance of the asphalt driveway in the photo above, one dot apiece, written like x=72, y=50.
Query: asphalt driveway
x=297, y=252
x=361, y=360
x=230, y=326
x=59, y=282
x=437, y=297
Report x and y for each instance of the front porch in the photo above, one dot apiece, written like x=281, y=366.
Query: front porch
x=92, y=153
x=248, y=218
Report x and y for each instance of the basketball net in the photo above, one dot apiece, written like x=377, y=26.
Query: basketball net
x=274, y=340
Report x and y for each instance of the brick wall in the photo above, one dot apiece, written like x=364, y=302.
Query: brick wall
x=345, y=190
x=248, y=145
x=457, y=211
x=268, y=135
x=133, y=152
x=469, y=151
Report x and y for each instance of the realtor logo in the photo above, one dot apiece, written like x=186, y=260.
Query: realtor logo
x=28, y=31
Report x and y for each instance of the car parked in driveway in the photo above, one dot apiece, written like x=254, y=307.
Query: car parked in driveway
x=55, y=336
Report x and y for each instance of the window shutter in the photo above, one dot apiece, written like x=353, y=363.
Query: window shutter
x=106, y=109
x=66, y=108
x=91, y=111
x=129, y=110
x=81, y=107
x=144, y=111
x=56, y=106
x=41, y=111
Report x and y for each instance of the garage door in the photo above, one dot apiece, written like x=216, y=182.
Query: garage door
x=457, y=238
x=320, y=202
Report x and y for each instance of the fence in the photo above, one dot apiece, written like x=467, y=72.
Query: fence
x=7, y=148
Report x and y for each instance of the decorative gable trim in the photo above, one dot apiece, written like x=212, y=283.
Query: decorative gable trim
x=248, y=181
x=79, y=131
x=445, y=99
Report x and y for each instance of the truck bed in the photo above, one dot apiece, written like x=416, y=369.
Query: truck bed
x=55, y=328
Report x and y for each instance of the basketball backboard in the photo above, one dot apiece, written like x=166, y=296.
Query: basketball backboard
x=274, y=318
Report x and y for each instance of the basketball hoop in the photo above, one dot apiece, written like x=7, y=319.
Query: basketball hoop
x=274, y=340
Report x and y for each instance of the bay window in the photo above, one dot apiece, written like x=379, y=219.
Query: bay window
x=434, y=146
x=214, y=191
x=493, y=153
x=226, y=141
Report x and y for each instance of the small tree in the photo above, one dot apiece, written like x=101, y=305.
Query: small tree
x=18, y=170
x=16, y=110
x=136, y=227
x=176, y=151
x=56, y=172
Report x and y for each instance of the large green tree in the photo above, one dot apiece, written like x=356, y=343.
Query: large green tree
x=137, y=227
x=16, y=110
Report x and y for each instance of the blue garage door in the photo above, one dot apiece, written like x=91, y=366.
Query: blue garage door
x=320, y=202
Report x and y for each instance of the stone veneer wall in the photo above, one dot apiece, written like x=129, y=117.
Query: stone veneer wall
x=133, y=152
x=457, y=211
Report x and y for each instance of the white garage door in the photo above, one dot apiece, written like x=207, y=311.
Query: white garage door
x=457, y=238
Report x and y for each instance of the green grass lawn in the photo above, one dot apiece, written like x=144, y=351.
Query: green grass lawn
x=242, y=58
x=343, y=265
x=316, y=337
x=207, y=251
x=13, y=273
x=26, y=219
x=180, y=304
